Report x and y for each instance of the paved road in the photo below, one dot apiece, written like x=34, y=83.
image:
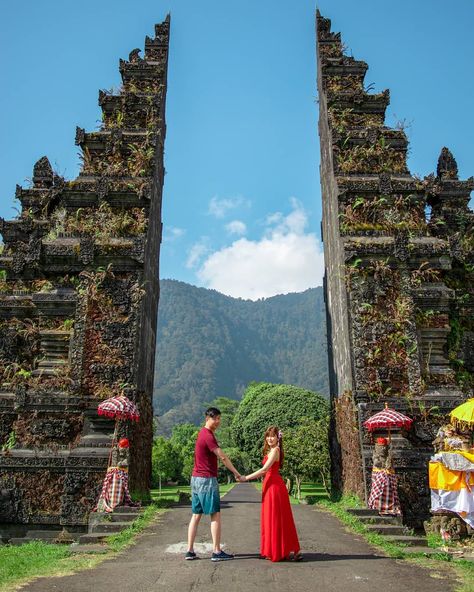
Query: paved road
x=335, y=560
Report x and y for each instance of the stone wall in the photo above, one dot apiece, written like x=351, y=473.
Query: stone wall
x=79, y=294
x=399, y=254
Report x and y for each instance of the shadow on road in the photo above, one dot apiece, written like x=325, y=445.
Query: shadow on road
x=312, y=557
x=230, y=504
x=321, y=557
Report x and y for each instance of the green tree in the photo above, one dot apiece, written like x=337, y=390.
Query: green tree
x=265, y=404
x=166, y=462
x=240, y=460
x=187, y=455
x=228, y=408
x=306, y=450
x=183, y=439
x=182, y=434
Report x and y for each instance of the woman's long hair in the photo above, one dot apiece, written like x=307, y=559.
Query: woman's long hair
x=273, y=431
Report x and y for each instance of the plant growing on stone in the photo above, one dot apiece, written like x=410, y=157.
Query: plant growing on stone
x=424, y=274
x=10, y=441
x=342, y=83
x=341, y=119
x=68, y=324
x=141, y=160
x=103, y=222
x=376, y=158
x=332, y=50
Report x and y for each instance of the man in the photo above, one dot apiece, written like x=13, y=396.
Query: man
x=204, y=486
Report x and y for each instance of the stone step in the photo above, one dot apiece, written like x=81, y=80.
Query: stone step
x=381, y=520
x=411, y=540
x=97, y=548
x=104, y=517
x=97, y=537
x=420, y=549
x=43, y=534
x=387, y=529
x=362, y=512
x=19, y=541
x=108, y=527
x=52, y=363
x=127, y=509
x=45, y=372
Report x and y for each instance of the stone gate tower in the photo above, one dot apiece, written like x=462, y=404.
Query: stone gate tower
x=78, y=305
x=399, y=282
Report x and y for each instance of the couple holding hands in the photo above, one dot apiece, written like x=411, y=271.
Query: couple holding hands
x=278, y=537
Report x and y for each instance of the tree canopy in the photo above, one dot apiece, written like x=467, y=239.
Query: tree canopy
x=307, y=452
x=265, y=404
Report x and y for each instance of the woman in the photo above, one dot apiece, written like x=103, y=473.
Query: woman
x=278, y=538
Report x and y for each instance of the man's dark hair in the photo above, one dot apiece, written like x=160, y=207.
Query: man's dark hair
x=212, y=412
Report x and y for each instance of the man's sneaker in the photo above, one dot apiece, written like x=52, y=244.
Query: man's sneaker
x=222, y=556
x=190, y=555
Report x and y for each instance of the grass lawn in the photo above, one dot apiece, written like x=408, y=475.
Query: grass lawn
x=21, y=563
x=314, y=491
x=170, y=492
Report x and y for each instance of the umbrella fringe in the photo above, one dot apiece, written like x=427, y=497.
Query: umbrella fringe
x=115, y=415
x=461, y=424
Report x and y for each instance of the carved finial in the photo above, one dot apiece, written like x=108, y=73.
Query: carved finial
x=447, y=165
x=134, y=56
x=80, y=135
x=162, y=29
x=43, y=173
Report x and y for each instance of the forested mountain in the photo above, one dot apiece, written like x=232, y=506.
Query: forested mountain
x=210, y=345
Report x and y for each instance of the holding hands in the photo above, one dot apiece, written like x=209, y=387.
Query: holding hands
x=240, y=478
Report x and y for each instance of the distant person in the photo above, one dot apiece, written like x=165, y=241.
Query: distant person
x=278, y=537
x=204, y=487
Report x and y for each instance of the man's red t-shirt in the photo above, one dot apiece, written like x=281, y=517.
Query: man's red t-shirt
x=205, y=461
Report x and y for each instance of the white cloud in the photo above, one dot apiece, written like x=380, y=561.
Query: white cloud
x=220, y=207
x=172, y=233
x=236, y=227
x=286, y=259
x=197, y=252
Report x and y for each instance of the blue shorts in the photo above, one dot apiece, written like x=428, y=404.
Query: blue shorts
x=205, y=497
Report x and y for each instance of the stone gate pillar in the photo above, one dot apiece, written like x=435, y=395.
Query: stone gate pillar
x=79, y=296
x=399, y=279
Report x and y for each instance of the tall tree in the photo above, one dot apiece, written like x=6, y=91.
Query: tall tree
x=306, y=451
x=265, y=404
x=166, y=462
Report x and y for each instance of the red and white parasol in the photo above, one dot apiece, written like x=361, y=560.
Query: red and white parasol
x=387, y=419
x=119, y=407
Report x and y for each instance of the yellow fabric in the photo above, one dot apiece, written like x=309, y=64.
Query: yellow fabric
x=442, y=478
x=463, y=415
x=468, y=455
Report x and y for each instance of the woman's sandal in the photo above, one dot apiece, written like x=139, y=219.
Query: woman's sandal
x=298, y=557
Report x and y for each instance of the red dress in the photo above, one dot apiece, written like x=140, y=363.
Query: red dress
x=278, y=536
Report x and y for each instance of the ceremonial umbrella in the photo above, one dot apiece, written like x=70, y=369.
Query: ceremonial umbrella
x=118, y=407
x=463, y=416
x=387, y=419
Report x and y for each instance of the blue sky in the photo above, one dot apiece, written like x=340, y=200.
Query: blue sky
x=242, y=198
